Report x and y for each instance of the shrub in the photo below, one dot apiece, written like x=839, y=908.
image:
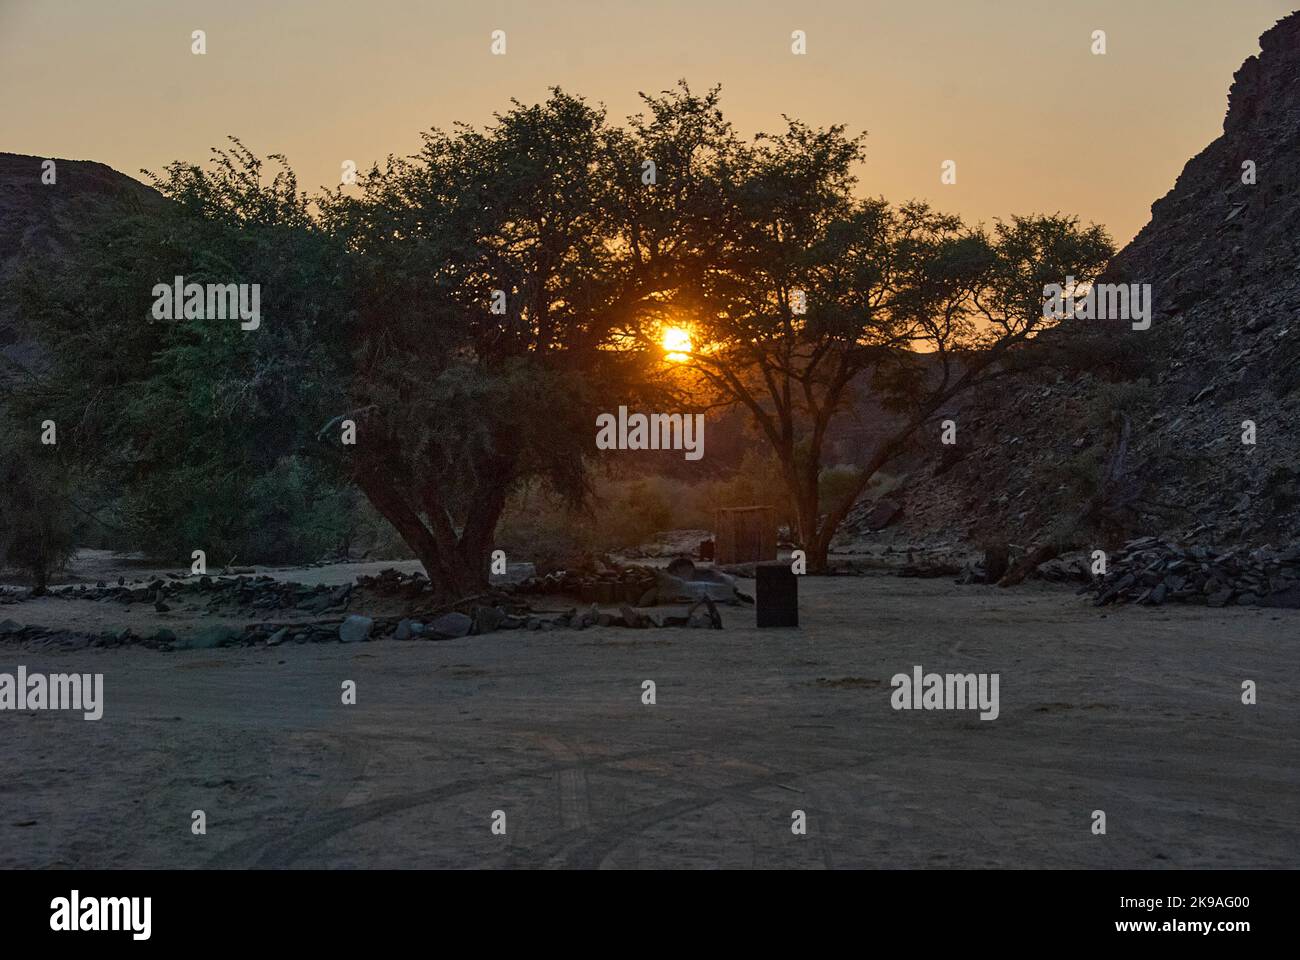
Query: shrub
x=626, y=512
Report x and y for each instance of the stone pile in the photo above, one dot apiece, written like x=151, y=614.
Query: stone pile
x=36, y=637
x=681, y=582
x=259, y=593
x=495, y=609
x=1153, y=571
x=701, y=615
x=608, y=586
x=602, y=584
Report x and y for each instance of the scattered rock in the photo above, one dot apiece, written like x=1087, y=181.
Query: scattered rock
x=449, y=626
x=1153, y=571
x=355, y=629
x=488, y=619
x=217, y=635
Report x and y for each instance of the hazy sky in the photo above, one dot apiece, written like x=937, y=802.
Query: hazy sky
x=1007, y=88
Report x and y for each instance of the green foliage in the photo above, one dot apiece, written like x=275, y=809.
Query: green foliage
x=284, y=513
x=1108, y=400
x=200, y=422
x=837, y=482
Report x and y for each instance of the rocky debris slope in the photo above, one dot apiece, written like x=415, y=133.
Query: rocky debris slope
x=1223, y=260
x=1154, y=571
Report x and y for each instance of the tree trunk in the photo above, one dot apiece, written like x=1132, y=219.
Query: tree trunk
x=475, y=545
x=808, y=527
x=818, y=555
x=807, y=503
x=451, y=572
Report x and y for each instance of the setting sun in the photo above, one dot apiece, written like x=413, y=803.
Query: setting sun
x=677, y=341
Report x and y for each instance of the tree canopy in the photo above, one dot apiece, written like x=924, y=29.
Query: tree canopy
x=446, y=331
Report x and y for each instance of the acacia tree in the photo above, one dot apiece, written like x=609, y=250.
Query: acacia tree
x=380, y=309
x=809, y=293
x=487, y=273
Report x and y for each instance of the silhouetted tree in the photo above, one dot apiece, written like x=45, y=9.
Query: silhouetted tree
x=485, y=285
x=469, y=308
x=806, y=293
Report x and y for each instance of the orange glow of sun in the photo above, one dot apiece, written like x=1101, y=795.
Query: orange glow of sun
x=677, y=342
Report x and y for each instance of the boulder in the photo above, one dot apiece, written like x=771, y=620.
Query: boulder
x=449, y=626
x=682, y=568
x=317, y=604
x=208, y=638
x=355, y=629
x=488, y=619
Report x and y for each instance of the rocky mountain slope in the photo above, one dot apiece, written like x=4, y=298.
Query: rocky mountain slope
x=37, y=219
x=1151, y=423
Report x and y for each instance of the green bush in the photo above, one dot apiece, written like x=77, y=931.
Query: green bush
x=837, y=482
x=289, y=513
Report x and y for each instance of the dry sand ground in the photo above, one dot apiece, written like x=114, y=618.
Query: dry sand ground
x=1135, y=711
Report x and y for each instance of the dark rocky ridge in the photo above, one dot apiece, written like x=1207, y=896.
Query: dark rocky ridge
x=1223, y=259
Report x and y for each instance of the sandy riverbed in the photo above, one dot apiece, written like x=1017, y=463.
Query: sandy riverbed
x=1135, y=711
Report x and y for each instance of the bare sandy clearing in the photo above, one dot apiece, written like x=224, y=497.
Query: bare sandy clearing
x=1134, y=711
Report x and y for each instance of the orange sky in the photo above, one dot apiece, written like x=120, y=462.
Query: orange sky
x=1006, y=88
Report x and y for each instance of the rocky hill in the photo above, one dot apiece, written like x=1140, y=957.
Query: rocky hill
x=38, y=219
x=1150, y=423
